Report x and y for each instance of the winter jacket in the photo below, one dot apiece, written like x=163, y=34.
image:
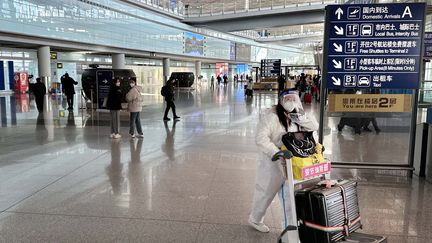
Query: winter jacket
x=114, y=98
x=134, y=99
x=38, y=90
x=68, y=85
x=170, y=92
x=270, y=131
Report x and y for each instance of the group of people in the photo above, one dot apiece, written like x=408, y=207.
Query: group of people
x=39, y=90
x=134, y=101
x=308, y=83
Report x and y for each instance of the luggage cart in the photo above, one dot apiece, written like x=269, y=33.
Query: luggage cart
x=290, y=233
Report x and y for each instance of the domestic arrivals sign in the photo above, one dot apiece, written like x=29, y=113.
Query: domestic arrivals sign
x=370, y=103
x=374, y=45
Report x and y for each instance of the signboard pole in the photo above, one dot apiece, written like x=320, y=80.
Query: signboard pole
x=416, y=101
x=323, y=88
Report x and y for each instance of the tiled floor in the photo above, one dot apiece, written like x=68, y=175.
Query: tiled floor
x=63, y=179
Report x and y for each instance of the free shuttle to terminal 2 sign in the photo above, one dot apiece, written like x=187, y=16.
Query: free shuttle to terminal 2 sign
x=374, y=45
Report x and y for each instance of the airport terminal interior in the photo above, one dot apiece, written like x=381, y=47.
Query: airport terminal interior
x=64, y=177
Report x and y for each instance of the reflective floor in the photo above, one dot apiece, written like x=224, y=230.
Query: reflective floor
x=63, y=179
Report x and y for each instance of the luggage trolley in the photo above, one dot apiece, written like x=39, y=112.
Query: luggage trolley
x=290, y=233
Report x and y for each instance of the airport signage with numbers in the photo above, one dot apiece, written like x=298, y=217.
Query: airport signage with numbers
x=374, y=45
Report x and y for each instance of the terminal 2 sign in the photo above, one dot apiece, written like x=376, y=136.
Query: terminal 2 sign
x=375, y=46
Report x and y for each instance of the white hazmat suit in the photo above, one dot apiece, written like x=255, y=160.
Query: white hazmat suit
x=269, y=178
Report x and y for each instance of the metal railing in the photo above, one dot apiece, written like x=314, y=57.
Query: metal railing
x=242, y=6
x=172, y=7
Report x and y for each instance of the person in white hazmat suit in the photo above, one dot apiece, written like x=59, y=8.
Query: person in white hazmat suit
x=287, y=116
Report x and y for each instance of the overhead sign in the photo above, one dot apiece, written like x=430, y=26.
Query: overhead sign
x=427, y=42
x=270, y=67
x=53, y=55
x=374, y=45
x=370, y=102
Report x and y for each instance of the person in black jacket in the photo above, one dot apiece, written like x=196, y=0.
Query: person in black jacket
x=114, y=105
x=39, y=90
x=69, y=89
x=169, y=98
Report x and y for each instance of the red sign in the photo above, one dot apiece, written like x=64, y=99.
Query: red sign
x=20, y=82
x=316, y=170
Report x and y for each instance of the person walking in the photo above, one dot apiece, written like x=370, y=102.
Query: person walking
x=212, y=80
x=287, y=116
x=281, y=83
x=114, y=105
x=68, y=89
x=135, y=99
x=39, y=91
x=169, y=98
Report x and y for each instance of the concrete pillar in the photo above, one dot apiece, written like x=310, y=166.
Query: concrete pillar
x=166, y=69
x=44, y=65
x=118, y=61
x=197, y=69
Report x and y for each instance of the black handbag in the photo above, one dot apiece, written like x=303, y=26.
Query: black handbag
x=301, y=144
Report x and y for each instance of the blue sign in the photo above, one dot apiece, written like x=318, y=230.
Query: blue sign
x=374, y=45
x=427, y=42
x=104, y=80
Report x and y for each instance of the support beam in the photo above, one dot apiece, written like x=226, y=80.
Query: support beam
x=44, y=66
x=118, y=61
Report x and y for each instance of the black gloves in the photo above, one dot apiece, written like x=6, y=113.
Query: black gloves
x=282, y=154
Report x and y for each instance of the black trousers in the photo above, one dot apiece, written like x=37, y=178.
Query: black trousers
x=170, y=104
x=70, y=100
x=39, y=103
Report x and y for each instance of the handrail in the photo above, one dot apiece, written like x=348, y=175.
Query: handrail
x=171, y=7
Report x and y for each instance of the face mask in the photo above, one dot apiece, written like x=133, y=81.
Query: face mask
x=288, y=106
x=118, y=84
x=132, y=85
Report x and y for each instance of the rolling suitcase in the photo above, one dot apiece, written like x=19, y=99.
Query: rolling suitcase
x=327, y=215
x=308, y=98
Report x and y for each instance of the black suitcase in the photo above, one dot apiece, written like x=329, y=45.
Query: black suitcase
x=363, y=238
x=323, y=208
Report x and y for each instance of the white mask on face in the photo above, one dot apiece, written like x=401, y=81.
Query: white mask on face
x=132, y=85
x=118, y=84
x=288, y=106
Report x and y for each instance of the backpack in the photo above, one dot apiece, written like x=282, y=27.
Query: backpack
x=164, y=91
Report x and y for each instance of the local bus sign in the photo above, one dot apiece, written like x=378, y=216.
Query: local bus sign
x=374, y=45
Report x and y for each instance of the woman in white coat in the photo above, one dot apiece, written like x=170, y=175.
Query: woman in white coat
x=135, y=99
x=287, y=116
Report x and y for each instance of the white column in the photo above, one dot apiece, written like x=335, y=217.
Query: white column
x=44, y=65
x=197, y=69
x=166, y=69
x=118, y=61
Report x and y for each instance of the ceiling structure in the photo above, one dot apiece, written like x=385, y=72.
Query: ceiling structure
x=297, y=35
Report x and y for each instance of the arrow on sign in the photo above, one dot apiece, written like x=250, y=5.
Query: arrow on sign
x=339, y=30
x=336, y=81
x=338, y=47
x=337, y=64
x=339, y=13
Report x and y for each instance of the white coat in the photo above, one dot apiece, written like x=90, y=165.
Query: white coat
x=269, y=178
x=134, y=99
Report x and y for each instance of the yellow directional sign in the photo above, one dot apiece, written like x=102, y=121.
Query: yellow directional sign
x=370, y=103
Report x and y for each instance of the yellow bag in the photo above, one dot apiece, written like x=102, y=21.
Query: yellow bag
x=299, y=163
